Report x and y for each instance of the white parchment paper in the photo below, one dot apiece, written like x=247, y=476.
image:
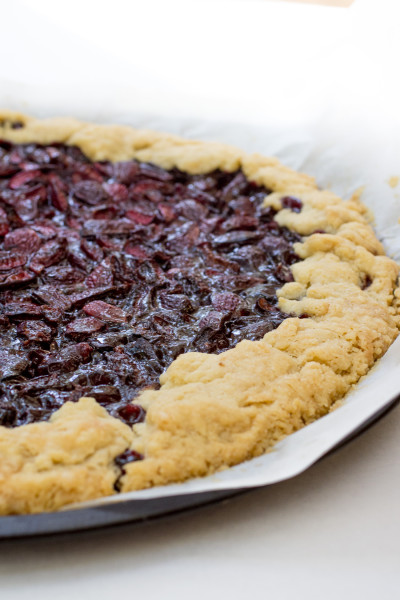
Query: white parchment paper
x=303, y=83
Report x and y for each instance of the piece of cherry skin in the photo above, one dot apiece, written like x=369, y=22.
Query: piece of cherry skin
x=101, y=276
x=57, y=192
x=11, y=260
x=292, y=203
x=84, y=326
x=36, y=331
x=51, y=253
x=138, y=217
x=105, y=312
x=131, y=413
x=264, y=305
x=90, y=192
x=127, y=457
x=22, y=309
x=17, y=279
x=22, y=178
x=367, y=282
x=24, y=240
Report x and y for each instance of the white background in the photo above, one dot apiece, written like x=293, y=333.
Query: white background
x=311, y=74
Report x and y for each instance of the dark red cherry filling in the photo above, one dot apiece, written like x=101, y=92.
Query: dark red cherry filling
x=292, y=203
x=108, y=272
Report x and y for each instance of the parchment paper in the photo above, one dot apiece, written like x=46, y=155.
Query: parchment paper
x=325, y=103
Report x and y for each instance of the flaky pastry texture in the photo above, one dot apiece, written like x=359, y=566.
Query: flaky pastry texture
x=214, y=411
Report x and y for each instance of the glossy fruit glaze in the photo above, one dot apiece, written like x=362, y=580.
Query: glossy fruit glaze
x=109, y=271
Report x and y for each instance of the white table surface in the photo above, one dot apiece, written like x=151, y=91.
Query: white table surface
x=332, y=532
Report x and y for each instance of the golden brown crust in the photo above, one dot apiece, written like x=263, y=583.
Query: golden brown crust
x=216, y=411
x=47, y=465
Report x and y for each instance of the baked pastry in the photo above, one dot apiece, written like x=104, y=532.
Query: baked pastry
x=131, y=259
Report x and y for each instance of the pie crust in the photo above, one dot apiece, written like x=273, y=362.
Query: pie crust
x=214, y=411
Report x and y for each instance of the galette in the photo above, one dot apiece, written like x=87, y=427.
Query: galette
x=169, y=308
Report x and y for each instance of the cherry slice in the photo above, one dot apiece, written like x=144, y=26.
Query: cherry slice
x=11, y=260
x=84, y=326
x=22, y=178
x=106, y=312
x=36, y=331
x=23, y=239
x=292, y=203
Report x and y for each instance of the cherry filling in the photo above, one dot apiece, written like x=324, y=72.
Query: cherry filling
x=109, y=271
